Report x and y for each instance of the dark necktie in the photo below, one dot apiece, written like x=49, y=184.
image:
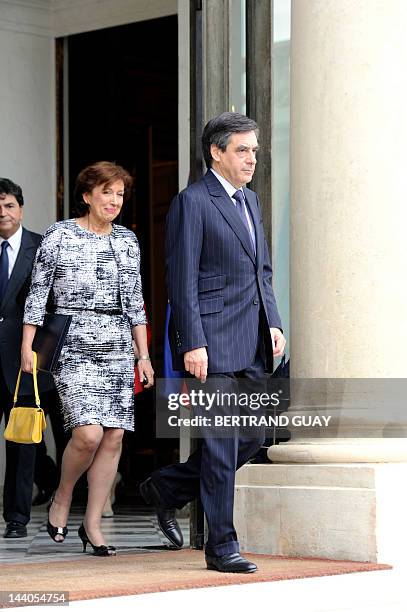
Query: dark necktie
x=3, y=268
x=241, y=209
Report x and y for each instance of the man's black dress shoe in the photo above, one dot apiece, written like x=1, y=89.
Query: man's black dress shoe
x=14, y=529
x=42, y=497
x=231, y=562
x=166, y=516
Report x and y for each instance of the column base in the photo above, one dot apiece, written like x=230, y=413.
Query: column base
x=340, y=450
x=346, y=512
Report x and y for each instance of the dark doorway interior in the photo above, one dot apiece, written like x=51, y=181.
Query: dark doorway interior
x=123, y=107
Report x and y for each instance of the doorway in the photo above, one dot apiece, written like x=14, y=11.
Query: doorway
x=122, y=105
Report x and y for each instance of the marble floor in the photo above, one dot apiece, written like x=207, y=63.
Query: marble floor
x=130, y=529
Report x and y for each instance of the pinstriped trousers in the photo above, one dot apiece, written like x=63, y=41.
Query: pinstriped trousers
x=210, y=470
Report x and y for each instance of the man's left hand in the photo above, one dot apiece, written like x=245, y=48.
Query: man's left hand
x=278, y=341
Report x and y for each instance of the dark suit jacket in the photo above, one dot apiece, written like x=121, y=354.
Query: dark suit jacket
x=219, y=291
x=11, y=316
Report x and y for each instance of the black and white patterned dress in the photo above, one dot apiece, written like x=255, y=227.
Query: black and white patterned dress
x=97, y=280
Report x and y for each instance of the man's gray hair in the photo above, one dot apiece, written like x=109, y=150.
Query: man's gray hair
x=219, y=130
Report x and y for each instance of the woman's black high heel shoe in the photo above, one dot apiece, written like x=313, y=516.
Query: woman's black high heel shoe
x=98, y=551
x=53, y=532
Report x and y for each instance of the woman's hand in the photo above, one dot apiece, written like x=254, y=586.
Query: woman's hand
x=145, y=369
x=27, y=359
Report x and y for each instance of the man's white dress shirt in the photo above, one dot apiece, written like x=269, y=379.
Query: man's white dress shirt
x=12, y=251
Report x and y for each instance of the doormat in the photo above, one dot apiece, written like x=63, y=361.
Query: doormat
x=133, y=574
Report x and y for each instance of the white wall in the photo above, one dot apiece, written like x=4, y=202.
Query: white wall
x=27, y=130
x=27, y=119
x=27, y=124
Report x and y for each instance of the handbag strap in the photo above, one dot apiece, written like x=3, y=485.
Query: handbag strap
x=37, y=395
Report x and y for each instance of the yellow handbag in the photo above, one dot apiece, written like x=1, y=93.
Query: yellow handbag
x=26, y=424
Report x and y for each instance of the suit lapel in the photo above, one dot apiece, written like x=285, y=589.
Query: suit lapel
x=124, y=251
x=222, y=201
x=22, y=267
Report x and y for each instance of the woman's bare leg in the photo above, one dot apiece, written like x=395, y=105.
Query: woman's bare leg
x=101, y=475
x=78, y=456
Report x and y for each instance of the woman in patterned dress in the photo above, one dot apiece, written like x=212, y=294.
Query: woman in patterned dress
x=89, y=268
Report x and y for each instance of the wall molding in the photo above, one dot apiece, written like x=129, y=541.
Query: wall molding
x=40, y=4
x=55, y=18
x=26, y=16
x=75, y=16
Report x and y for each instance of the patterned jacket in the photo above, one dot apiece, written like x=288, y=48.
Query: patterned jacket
x=65, y=275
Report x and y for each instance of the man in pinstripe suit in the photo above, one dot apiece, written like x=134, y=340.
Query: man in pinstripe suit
x=225, y=324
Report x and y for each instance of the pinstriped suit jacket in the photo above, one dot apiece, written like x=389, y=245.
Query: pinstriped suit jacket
x=219, y=291
x=11, y=319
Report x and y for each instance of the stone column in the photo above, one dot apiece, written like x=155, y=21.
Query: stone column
x=348, y=290
x=348, y=203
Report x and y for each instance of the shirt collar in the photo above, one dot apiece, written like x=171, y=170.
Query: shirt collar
x=14, y=240
x=228, y=187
